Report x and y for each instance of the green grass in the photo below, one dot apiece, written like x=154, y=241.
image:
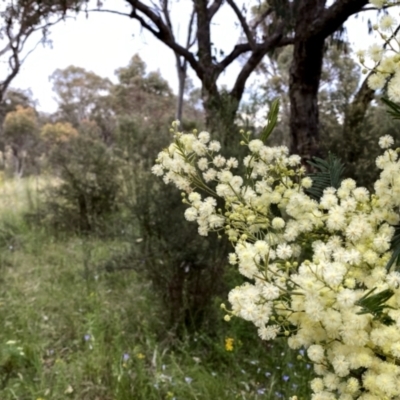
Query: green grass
x=70, y=330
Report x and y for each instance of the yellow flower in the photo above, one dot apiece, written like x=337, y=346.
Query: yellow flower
x=140, y=356
x=229, y=344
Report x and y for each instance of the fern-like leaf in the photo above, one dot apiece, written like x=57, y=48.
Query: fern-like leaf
x=329, y=174
x=394, y=109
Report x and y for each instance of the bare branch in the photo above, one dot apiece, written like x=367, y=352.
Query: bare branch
x=163, y=33
x=240, y=49
x=166, y=15
x=190, y=42
x=109, y=11
x=237, y=51
x=213, y=9
x=20, y=23
x=261, y=18
x=243, y=23
x=257, y=55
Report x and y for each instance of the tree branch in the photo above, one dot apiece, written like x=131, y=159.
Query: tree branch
x=240, y=49
x=334, y=17
x=274, y=41
x=261, y=18
x=243, y=23
x=109, y=11
x=203, y=34
x=163, y=33
x=213, y=9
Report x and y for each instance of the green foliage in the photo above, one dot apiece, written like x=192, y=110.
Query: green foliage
x=79, y=332
x=375, y=304
x=186, y=269
x=272, y=119
x=79, y=93
x=88, y=185
x=393, y=108
x=329, y=173
x=20, y=133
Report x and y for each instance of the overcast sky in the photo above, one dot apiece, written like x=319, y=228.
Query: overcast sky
x=103, y=42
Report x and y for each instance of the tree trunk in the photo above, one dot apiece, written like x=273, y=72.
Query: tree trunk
x=220, y=112
x=352, y=126
x=305, y=75
x=18, y=162
x=182, y=71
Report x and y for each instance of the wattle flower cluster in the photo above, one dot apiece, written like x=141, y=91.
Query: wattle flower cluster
x=384, y=58
x=316, y=270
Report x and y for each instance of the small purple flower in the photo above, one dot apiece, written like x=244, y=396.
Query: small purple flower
x=285, y=378
x=87, y=337
x=126, y=357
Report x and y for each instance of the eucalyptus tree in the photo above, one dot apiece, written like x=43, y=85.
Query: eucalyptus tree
x=199, y=52
x=23, y=25
x=20, y=133
x=264, y=27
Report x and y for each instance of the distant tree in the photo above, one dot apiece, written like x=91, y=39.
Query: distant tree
x=144, y=95
x=17, y=97
x=57, y=134
x=19, y=20
x=20, y=133
x=78, y=92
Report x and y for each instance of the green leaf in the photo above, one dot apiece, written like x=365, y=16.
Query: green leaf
x=375, y=304
x=394, y=109
x=329, y=174
x=272, y=119
x=395, y=247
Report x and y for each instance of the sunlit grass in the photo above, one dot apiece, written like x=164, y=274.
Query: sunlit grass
x=70, y=330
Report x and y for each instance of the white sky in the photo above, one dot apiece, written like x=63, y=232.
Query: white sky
x=104, y=42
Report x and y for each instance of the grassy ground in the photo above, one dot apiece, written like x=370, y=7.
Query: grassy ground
x=70, y=330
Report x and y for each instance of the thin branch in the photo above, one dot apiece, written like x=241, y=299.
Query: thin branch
x=190, y=42
x=109, y=11
x=243, y=23
x=240, y=49
x=30, y=51
x=261, y=18
x=251, y=64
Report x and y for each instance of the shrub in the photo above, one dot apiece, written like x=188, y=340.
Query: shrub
x=87, y=185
